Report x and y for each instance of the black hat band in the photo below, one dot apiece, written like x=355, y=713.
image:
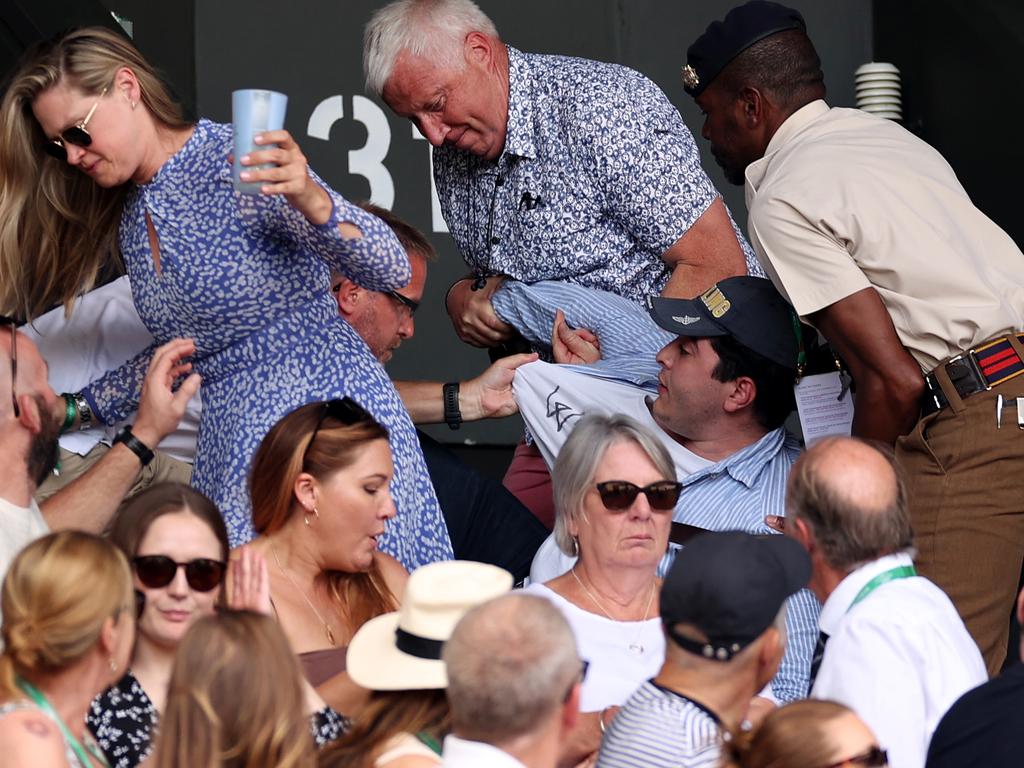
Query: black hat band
x=418, y=646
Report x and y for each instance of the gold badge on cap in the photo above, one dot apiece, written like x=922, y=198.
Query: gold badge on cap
x=690, y=77
x=715, y=301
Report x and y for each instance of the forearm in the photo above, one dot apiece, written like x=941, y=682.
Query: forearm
x=424, y=400
x=886, y=408
x=88, y=502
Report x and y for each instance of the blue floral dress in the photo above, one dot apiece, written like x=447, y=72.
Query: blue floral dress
x=247, y=278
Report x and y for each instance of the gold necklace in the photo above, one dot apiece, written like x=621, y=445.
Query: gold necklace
x=635, y=647
x=327, y=627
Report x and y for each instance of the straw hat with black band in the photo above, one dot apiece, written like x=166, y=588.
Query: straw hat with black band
x=401, y=651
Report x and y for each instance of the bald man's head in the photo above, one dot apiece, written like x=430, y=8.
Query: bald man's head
x=852, y=497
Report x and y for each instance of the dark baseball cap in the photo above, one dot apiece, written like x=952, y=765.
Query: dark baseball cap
x=747, y=308
x=724, y=40
x=730, y=586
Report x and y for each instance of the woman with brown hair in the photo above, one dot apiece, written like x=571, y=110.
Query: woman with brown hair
x=235, y=698
x=68, y=627
x=98, y=166
x=806, y=734
x=175, y=540
x=321, y=500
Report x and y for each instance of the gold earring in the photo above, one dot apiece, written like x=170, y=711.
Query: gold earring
x=316, y=514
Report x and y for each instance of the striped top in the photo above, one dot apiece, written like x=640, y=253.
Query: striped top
x=659, y=728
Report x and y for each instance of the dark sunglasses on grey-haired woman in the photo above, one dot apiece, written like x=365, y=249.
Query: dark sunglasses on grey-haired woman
x=77, y=134
x=620, y=494
x=874, y=757
x=4, y=320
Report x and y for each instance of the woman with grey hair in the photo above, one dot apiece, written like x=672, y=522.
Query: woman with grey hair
x=614, y=488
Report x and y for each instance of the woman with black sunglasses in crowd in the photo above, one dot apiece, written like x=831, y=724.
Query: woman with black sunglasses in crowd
x=98, y=167
x=614, y=487
x=176, y=542
x=321, y=500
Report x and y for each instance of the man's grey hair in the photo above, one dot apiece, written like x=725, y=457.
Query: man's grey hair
x=433, y=29
x=852, y=496
x=573, y=473
x=511, y=664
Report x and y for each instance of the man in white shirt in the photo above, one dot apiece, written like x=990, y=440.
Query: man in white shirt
x=513, y=685
x=31, y=414
x=892, y=647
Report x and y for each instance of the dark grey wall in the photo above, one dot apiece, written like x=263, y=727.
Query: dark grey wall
x=312, y=50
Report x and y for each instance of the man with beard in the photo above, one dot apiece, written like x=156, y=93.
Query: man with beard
x=31, y=415
x=867, y=231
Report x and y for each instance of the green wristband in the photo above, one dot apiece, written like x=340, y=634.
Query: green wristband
x=70, y=412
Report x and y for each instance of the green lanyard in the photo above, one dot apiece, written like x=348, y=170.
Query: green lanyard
x=902, y=572
x=429, y=741
x=36, y=695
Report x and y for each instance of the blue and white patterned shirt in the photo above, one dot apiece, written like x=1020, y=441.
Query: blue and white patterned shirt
x=599, y=176
x=659, y=728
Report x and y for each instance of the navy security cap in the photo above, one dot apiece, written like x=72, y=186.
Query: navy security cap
x=724, y=40
x=747, y=308
x=730, y=586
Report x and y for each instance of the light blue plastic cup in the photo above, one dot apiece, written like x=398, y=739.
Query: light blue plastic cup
x=254, y=111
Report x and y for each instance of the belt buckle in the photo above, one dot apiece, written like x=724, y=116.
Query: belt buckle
x=972, y=357
x=968, y=360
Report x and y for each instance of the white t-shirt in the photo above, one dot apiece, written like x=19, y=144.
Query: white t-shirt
x=621, y=654
x=103, y=332
x=19, y=526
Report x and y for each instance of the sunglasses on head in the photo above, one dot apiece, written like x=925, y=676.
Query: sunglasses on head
x=620, y=494
x=346, y=410
x=77, y=134
x=4, y=320
x=202, y=574
x=874, y=757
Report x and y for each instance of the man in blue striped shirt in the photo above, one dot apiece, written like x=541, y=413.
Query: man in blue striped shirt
x=722, y=608
x=724, y=390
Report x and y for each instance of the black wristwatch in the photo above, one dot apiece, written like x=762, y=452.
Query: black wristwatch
x=135, y=445
x=452, y=413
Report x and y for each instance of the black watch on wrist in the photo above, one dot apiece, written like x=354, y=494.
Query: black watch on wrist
x=136, y=446
x=452, y=413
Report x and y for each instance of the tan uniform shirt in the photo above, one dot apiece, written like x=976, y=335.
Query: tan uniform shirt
x=843, y=200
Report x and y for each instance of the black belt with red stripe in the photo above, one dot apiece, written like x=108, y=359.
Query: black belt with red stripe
x=973, y=371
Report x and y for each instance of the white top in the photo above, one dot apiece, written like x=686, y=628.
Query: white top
x=843, y=200
x=19, y=526
x=103, y=332
x=899, y=658
x=622, y=654
x=460, y=753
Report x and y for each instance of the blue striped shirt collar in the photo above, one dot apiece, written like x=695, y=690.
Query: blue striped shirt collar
x=746, y=464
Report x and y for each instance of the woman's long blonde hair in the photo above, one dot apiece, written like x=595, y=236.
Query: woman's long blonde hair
x=235, y=698
x=57, y=594
x=58, y=229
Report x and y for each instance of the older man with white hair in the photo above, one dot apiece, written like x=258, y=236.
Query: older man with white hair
x=513, y=684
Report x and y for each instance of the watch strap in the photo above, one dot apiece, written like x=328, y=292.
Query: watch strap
x=136, y=446
x=452, y=412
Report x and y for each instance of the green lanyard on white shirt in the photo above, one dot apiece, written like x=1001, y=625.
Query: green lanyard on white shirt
x=80, y=752
x=902, y=572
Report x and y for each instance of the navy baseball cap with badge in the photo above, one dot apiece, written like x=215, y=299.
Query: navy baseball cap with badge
x=724, y=40
x=729, y=586
x=747, y=308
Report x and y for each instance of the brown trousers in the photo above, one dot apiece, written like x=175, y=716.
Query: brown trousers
x=965, y=483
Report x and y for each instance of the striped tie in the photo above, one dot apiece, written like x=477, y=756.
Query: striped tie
x=819, y=654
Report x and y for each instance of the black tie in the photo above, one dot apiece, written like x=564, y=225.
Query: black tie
x=819, y=654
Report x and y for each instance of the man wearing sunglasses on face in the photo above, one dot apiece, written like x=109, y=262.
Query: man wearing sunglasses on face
x=725, y=390
x=31, y=415
x=485, y=522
